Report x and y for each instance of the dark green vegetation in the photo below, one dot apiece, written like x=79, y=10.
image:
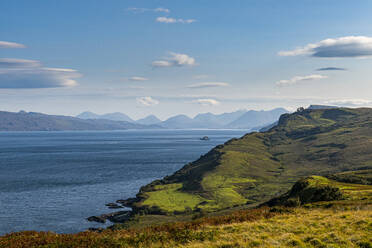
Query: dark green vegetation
x=360, y=177
x=259, y=166
x=31, y=121
x=320, y=189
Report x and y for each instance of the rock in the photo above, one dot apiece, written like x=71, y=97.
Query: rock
x=119, y=217
x=115, y=217
x=99, y=219
x=128, y=202
x=113, y=205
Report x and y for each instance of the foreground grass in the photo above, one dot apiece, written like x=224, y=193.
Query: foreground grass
x=303, y=228
x=264, y=227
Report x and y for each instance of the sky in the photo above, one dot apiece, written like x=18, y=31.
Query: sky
x=143, y=57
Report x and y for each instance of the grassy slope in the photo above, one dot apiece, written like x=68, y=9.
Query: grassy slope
x=341, y=223
x=261, y=165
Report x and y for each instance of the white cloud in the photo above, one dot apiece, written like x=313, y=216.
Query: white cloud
x=26, y=74
x=176, y=59
x=162, y=63
x=18, y=63
x=208, y=85
x=7, y=44
x=147, y=101
x=350, y=102
x=299, y=79
x=349, y=46
x=142, y=10
x=138, y=79
x=206, y=102
x=164, y=19
x=162, y=10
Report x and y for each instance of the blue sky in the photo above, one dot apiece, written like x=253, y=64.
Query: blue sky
x=172, y=57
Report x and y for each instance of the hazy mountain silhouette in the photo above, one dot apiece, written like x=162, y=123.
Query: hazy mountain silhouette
x=23, y=121
x=117, y=116
x=149, y=120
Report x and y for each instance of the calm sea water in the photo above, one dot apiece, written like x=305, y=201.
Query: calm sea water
x=54, y=180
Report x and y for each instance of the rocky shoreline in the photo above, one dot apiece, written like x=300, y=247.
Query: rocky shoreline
x=118, y=216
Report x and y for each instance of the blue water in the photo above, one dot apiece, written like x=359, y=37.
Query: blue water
x=54, y=180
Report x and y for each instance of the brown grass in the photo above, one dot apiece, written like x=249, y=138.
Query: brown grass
x=264, y=227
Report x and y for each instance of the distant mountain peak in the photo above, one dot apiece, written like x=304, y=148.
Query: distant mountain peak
x=149, y=120
x=87, y=115
x=116, y=116
x=253, y=119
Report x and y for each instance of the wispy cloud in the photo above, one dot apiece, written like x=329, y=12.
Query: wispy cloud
x=176, y=59
x=350, y=102
x=208, y=85
x=142, y=10
x=331, y=69
x=349, y=46
x=201, y=76
x=138, y=79
x=147, y=101
x=7, y=44
x=164, y=19
x=299, y=79
x=26, y=74
x=18, y=63
x=206, y=102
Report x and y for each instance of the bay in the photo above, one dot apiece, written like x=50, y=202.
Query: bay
x=52, y=181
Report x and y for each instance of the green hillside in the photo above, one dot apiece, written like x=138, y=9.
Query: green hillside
x=259, y=166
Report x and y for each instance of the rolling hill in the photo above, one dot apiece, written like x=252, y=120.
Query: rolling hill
x=259, y=166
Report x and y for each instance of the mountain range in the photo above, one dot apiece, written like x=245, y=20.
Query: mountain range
x=23, y=121
x=241, y=119
x=117, y=116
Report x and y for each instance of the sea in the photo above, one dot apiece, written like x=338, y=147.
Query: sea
x=53, y=181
